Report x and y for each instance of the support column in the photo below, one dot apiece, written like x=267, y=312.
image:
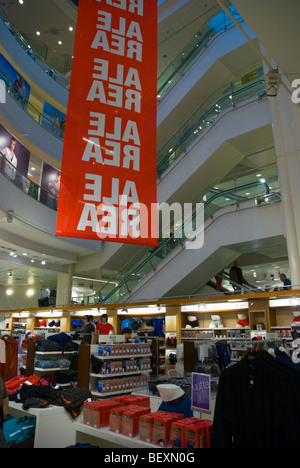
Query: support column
x=286, y=131
x=64, y=288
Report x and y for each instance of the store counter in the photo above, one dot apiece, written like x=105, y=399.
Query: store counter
x=54, y=426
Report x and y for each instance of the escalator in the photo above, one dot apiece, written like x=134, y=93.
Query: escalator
x=184, y=271
x=149, y=261
x=226, y=290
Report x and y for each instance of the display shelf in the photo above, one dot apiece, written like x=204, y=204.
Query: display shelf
x=120, y=374
x=105, y=435
x=46, y=418
x=118, y=392
x=51, y=353
x=118, y=380
x=51, y=369
x=123, y=356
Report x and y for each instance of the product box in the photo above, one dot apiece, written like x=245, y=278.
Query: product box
x=178, y=431
x=162, y=428
x=131, y=418
x=115, y=419
x=146, y=425
x=199, y=435
x=138, y=400
x=119, y=398
x=85, y=413
x=96, y=413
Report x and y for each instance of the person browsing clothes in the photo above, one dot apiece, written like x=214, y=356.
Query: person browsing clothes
x=104, y=327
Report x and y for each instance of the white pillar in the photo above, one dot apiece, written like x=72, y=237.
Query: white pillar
x=64, y=288
x=286, y=131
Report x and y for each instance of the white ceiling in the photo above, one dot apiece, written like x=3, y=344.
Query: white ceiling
x=51, y=18
x=276, y=24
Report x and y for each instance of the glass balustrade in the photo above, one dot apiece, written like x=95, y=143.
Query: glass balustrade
x=225, y=99
x=26, y=185
x=29, y=108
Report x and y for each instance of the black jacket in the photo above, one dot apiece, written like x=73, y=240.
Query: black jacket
x=263, y=415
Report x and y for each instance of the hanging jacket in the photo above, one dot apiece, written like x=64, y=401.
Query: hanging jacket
x=257, y=405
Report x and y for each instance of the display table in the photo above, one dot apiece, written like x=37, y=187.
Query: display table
x=104, y=438
x=54, y=426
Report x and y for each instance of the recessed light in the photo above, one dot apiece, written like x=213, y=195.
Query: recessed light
x=71, y=28
x=60, y=42
x=38, y=33
x=9, y=292
x=30, y=292
x=43, y=262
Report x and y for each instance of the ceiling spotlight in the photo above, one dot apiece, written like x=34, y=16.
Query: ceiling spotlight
x=71, y=28
x=273, y=79
x=38, y=33
x=9, y=217
x=43, y=262
x=60, y=42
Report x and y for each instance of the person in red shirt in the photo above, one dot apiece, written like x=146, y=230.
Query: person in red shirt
x=103, y=327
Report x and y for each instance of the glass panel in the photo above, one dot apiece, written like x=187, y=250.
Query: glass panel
x=223, y=99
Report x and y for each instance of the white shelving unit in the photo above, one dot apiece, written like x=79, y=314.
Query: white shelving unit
x=118, y=379
x=40, y=355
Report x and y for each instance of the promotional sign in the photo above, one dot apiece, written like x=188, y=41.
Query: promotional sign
x=108, y=180
x=14, y=158
x=50, y=185
x=201, y=392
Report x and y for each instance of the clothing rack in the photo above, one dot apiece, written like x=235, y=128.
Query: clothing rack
x=257, y=400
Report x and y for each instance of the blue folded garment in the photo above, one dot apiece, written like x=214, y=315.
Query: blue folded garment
x=17, y=430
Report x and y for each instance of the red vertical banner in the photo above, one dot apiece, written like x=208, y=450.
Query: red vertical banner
x=108, y=177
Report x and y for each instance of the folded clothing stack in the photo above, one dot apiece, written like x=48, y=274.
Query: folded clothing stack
x=53, y=364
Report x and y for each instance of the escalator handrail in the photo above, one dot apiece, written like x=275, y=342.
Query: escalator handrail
x=179, y=144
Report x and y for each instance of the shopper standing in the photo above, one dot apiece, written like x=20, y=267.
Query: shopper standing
x=236, y=276
x=286, y=282
x=88, y=329
x=104, y=327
